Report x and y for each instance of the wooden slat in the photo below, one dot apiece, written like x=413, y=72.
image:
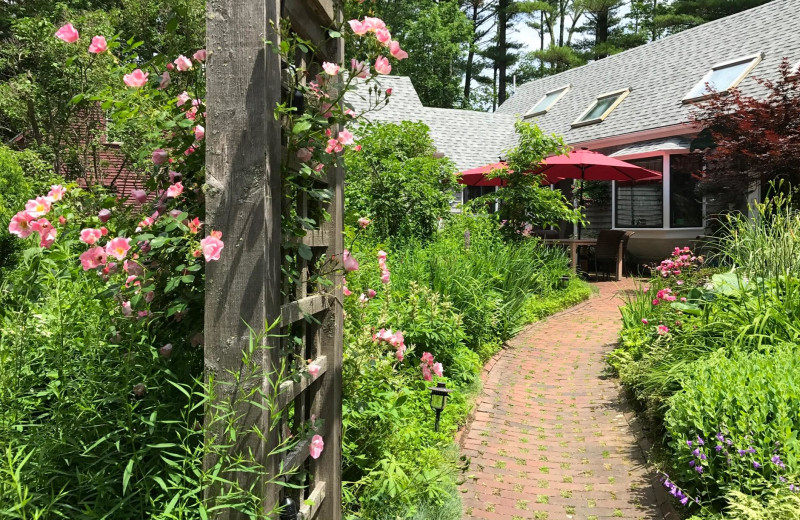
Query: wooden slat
x=297, y=310
x=309, y=511
x=289, y=389
x=316, y=238
x=295, y=458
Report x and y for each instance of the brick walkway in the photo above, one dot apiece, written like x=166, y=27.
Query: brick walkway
x=550, y=439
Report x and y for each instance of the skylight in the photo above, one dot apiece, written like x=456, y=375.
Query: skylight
x=722, y=78
x=547, y=101
x=601, y=107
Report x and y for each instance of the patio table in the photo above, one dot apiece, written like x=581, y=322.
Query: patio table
x=575, y=243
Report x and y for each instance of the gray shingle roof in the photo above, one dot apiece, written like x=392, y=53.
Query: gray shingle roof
x=659, y=74
x=655, y=145
x=662, y=72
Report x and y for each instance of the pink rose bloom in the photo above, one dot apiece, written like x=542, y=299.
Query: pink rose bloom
x=397, y=52
x=48, y=238
x=118, y=247
x=183, y=98
x=656, y=301
x=363, y=222
x=67, y=33
x=199, y=132
x=350, y=263
x=334, y=146
x=38, y=207
x=313, y=370
x=382, y=65
x=346, y=291
x=388, y=92
x=385, y=275
x=135, y=79
x=175, y=190
x=426, y=373
x=373, y=24
x=304, y=154
x=126, y=308
x=56, y=193
x=644, y=320
x=89, y=236
x=345, y=137
x=316, y=447
x=160, y=156
x=139, y=196
x=182, y=63
x=383, y=36
x=358, y=27
x=194, y=225
x=175, y=176
x=400, y=354
x=359, y=68
x=438, y=369
x=427, y=358
x=164, y=81
x=200, y=55
x=331, y=69
x=20, y=225
x=93, y=258
x=104, y=215
x=683, y=299
x=212, y=247
x=381, y=255
x=662, y=329
x=99, y=45
x=371, y=293
x=132, y=268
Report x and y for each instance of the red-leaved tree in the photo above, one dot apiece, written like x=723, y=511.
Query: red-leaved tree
x=750, y=141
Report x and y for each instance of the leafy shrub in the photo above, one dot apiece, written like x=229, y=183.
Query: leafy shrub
x=396, y=181
x=734, y=425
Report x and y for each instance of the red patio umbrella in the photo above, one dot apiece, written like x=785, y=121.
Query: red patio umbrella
x=477, y=176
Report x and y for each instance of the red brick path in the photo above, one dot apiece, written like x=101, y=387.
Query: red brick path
x=550, y=439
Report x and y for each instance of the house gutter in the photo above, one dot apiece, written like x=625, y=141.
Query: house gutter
x=635, y=137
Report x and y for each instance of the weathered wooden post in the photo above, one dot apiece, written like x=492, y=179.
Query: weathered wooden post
x=244, y=202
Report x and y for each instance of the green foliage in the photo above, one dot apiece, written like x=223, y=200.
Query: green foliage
x=524, y=201
x=397, y=182
x=779, y=505
x=751, y=399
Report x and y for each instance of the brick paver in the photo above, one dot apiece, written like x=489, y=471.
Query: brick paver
x=550, y=439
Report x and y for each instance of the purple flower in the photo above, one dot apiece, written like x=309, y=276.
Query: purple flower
x=689, y=443
x=720, y=437
x=702, y=456
x=756, y=465
x=691, y=463
x=793, y=488
x=684, y=501
x=696, y=452
x=700, y=441
x=728, y=442
x=751, y=450
x=741, y=452
x=718, y=447
x=699, y=469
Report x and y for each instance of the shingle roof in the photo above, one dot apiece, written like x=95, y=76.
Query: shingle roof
x=662, y=72
x=659, y=74
x=654, y=145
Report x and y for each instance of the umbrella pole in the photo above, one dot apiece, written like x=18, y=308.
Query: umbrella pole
x=580, y=199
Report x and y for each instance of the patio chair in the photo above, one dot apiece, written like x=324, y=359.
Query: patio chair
x=607, y=249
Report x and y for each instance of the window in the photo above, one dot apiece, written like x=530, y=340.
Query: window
x=685, y=206
x=641, y=204
x=473, y=192
x=722, y=77
x=547, y=102
x=602, y=106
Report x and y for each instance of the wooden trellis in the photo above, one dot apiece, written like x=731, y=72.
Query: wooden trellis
x=245, y=203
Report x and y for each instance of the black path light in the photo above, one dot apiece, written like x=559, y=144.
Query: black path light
x=289, y=509
x=439, y=395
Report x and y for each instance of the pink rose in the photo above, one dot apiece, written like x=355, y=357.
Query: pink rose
x=89, y=236
x=67, y=33
x=139, y=196
x=385, y=276
x=316, y=447
x=200, y=55
x=135, y=79
x=331, y=69
x=426, y=373
x=174, y=176
x=358, y=27
x=382, y=65
x=182, y=63
x=126, y=308
x=304, y=154
x=104, y=215
x=199, y=132
x=346, y=291
x=183, y=98
x=160, y=156
x=388, y=92
x=345, y=137
x=363, y=222
x=359, y=68
x=350, y=263
x=383, y=36
x=427, y=358
x=400, y=354
x=93, y=258
x=20, y=225
x=212, y=246
x=313, y=370
x=38, y=207
x=662, y=329
x=397, y=52
x=175, y=190
x=118, y=247
x=56, y=193
x=438, y=369
x=334, y=146
x=373, y=24
x=371, y=293
x=98, y=45
x=164, y=81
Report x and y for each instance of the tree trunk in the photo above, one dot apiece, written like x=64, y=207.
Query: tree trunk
x=601, y=31
x=502, y=49
x=471, y=54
